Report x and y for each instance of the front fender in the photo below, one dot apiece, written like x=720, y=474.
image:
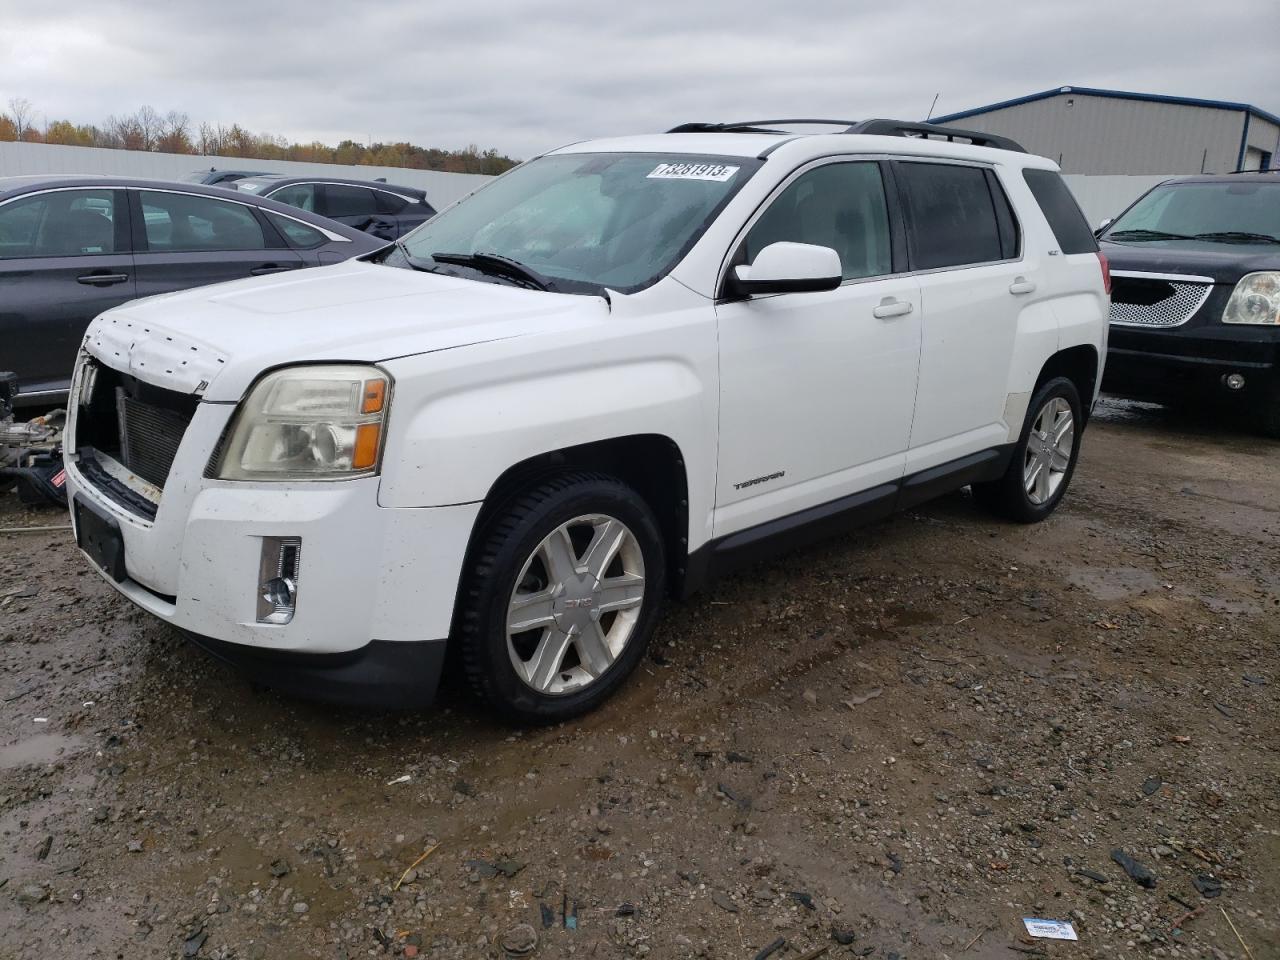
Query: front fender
x=459, y=419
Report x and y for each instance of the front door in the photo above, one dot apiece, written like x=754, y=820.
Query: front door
x=64, y=259
x=817, y=389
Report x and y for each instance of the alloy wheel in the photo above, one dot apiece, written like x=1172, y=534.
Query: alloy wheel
x=575, y=604
x=1048, y=453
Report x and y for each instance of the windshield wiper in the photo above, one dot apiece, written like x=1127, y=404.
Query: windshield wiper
x=1238, y=236
x=495, y=263
x=1142, y=234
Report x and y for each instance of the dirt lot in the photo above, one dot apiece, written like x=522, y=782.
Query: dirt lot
x=895, y=745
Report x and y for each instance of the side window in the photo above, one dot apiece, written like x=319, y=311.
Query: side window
x=300, y=195
x=950, y=215
x=64, y=223
x=341, y=200
x=185, y=223
x=1059, y=207
x=1010, y=237
x=389, y=202
x=297, y=233
x=837, y=205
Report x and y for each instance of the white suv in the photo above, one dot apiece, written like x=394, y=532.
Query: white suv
x=619, y=369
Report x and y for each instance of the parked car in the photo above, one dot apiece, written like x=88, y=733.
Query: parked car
x=213, y=176
x=383, y=209
x=72, y=247
x=1195, y=309
x=616, y=371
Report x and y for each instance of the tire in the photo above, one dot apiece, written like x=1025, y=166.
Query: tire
x=535, y=568
x=1267, y=419
x=1010, y=496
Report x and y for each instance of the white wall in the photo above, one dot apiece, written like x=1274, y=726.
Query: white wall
x=18, y=159
x=1102, y=197
x=1099, y=196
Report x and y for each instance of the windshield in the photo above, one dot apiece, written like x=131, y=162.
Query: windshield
x=587, y=221
x=1244, y=213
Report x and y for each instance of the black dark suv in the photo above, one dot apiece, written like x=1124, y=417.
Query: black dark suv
x=383, y=209
x=1195, y=297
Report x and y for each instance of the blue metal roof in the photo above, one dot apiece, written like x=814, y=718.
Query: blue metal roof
x=1115, y=95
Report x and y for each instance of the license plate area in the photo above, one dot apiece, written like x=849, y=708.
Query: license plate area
x=98, y=535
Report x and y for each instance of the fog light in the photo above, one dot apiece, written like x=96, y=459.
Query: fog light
x=1234, y=381
x=278, y=579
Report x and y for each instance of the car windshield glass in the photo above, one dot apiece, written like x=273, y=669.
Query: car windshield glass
x=1240, y=213
x=587, y=221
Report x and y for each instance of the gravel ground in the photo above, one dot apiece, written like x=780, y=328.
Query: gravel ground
x=898, y=744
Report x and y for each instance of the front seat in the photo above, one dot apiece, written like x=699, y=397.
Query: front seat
x=73, y=233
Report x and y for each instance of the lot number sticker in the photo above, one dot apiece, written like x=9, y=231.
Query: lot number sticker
x=719, y=172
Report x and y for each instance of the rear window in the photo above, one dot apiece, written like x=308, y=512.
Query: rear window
x=952, y=216
x=1059, y=207
x=389, y=202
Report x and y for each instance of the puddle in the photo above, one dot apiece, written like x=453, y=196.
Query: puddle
x=39, y=749
x=1114, y=583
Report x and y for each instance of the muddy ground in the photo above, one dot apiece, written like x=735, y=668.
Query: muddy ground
x=898, y=745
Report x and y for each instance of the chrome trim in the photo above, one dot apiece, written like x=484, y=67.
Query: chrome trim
x=325, y=183
x=1186, y=279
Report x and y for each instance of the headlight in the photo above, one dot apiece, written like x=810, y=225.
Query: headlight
x=1256, y=299
x=308, y=423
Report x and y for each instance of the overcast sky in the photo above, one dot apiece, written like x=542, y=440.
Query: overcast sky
x=525, y=76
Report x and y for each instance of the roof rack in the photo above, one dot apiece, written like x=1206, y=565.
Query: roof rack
x=752, y=126
x=882, y=128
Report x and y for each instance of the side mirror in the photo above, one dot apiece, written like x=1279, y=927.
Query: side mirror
x=1102, y=226
x=788, y=268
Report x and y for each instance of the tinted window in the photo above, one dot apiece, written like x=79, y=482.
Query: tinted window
x=837, y=205
x=341, y=200
x=65, y=223
x=1059, y=207
x=389, y=202
x=950, y=214
x=181, y=222
x=300, y=195
x=298, y=234
x=1007, y=222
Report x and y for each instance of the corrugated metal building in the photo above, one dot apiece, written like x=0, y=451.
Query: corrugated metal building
x=1089, y=131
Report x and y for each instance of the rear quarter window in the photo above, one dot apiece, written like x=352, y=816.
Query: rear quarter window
x=1059, y=207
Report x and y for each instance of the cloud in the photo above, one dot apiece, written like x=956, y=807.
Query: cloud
x=524, y=77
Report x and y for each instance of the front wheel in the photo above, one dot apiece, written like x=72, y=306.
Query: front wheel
x=562, y=597
x=1043, y=459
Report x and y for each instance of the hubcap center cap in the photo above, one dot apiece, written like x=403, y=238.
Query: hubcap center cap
x=576, y=605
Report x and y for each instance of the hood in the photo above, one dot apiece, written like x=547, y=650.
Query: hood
x=216, y=340
x=1222, y=262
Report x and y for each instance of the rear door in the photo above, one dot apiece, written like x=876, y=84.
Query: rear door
x=964, y=245
x=64, y=259
x=185, y=240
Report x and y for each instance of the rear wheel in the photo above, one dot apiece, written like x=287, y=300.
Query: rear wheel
x=562, y=598
x=1043, y=460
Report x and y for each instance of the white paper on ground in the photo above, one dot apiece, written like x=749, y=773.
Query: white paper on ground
x=1052, y=929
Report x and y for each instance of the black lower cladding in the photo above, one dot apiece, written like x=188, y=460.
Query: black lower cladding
x=1192, y=362
x=766, y=540
x=98, y=535
x=394, y=675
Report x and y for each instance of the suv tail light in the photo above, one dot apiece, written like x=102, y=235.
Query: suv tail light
x=1106, y=272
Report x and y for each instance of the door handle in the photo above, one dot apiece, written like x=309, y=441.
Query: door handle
x=889, y=308
x=1021, y=285
x=102, y=279
x=270, y=268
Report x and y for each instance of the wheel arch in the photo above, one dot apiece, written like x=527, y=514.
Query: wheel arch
x=651, y=464
x=1079, y=364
